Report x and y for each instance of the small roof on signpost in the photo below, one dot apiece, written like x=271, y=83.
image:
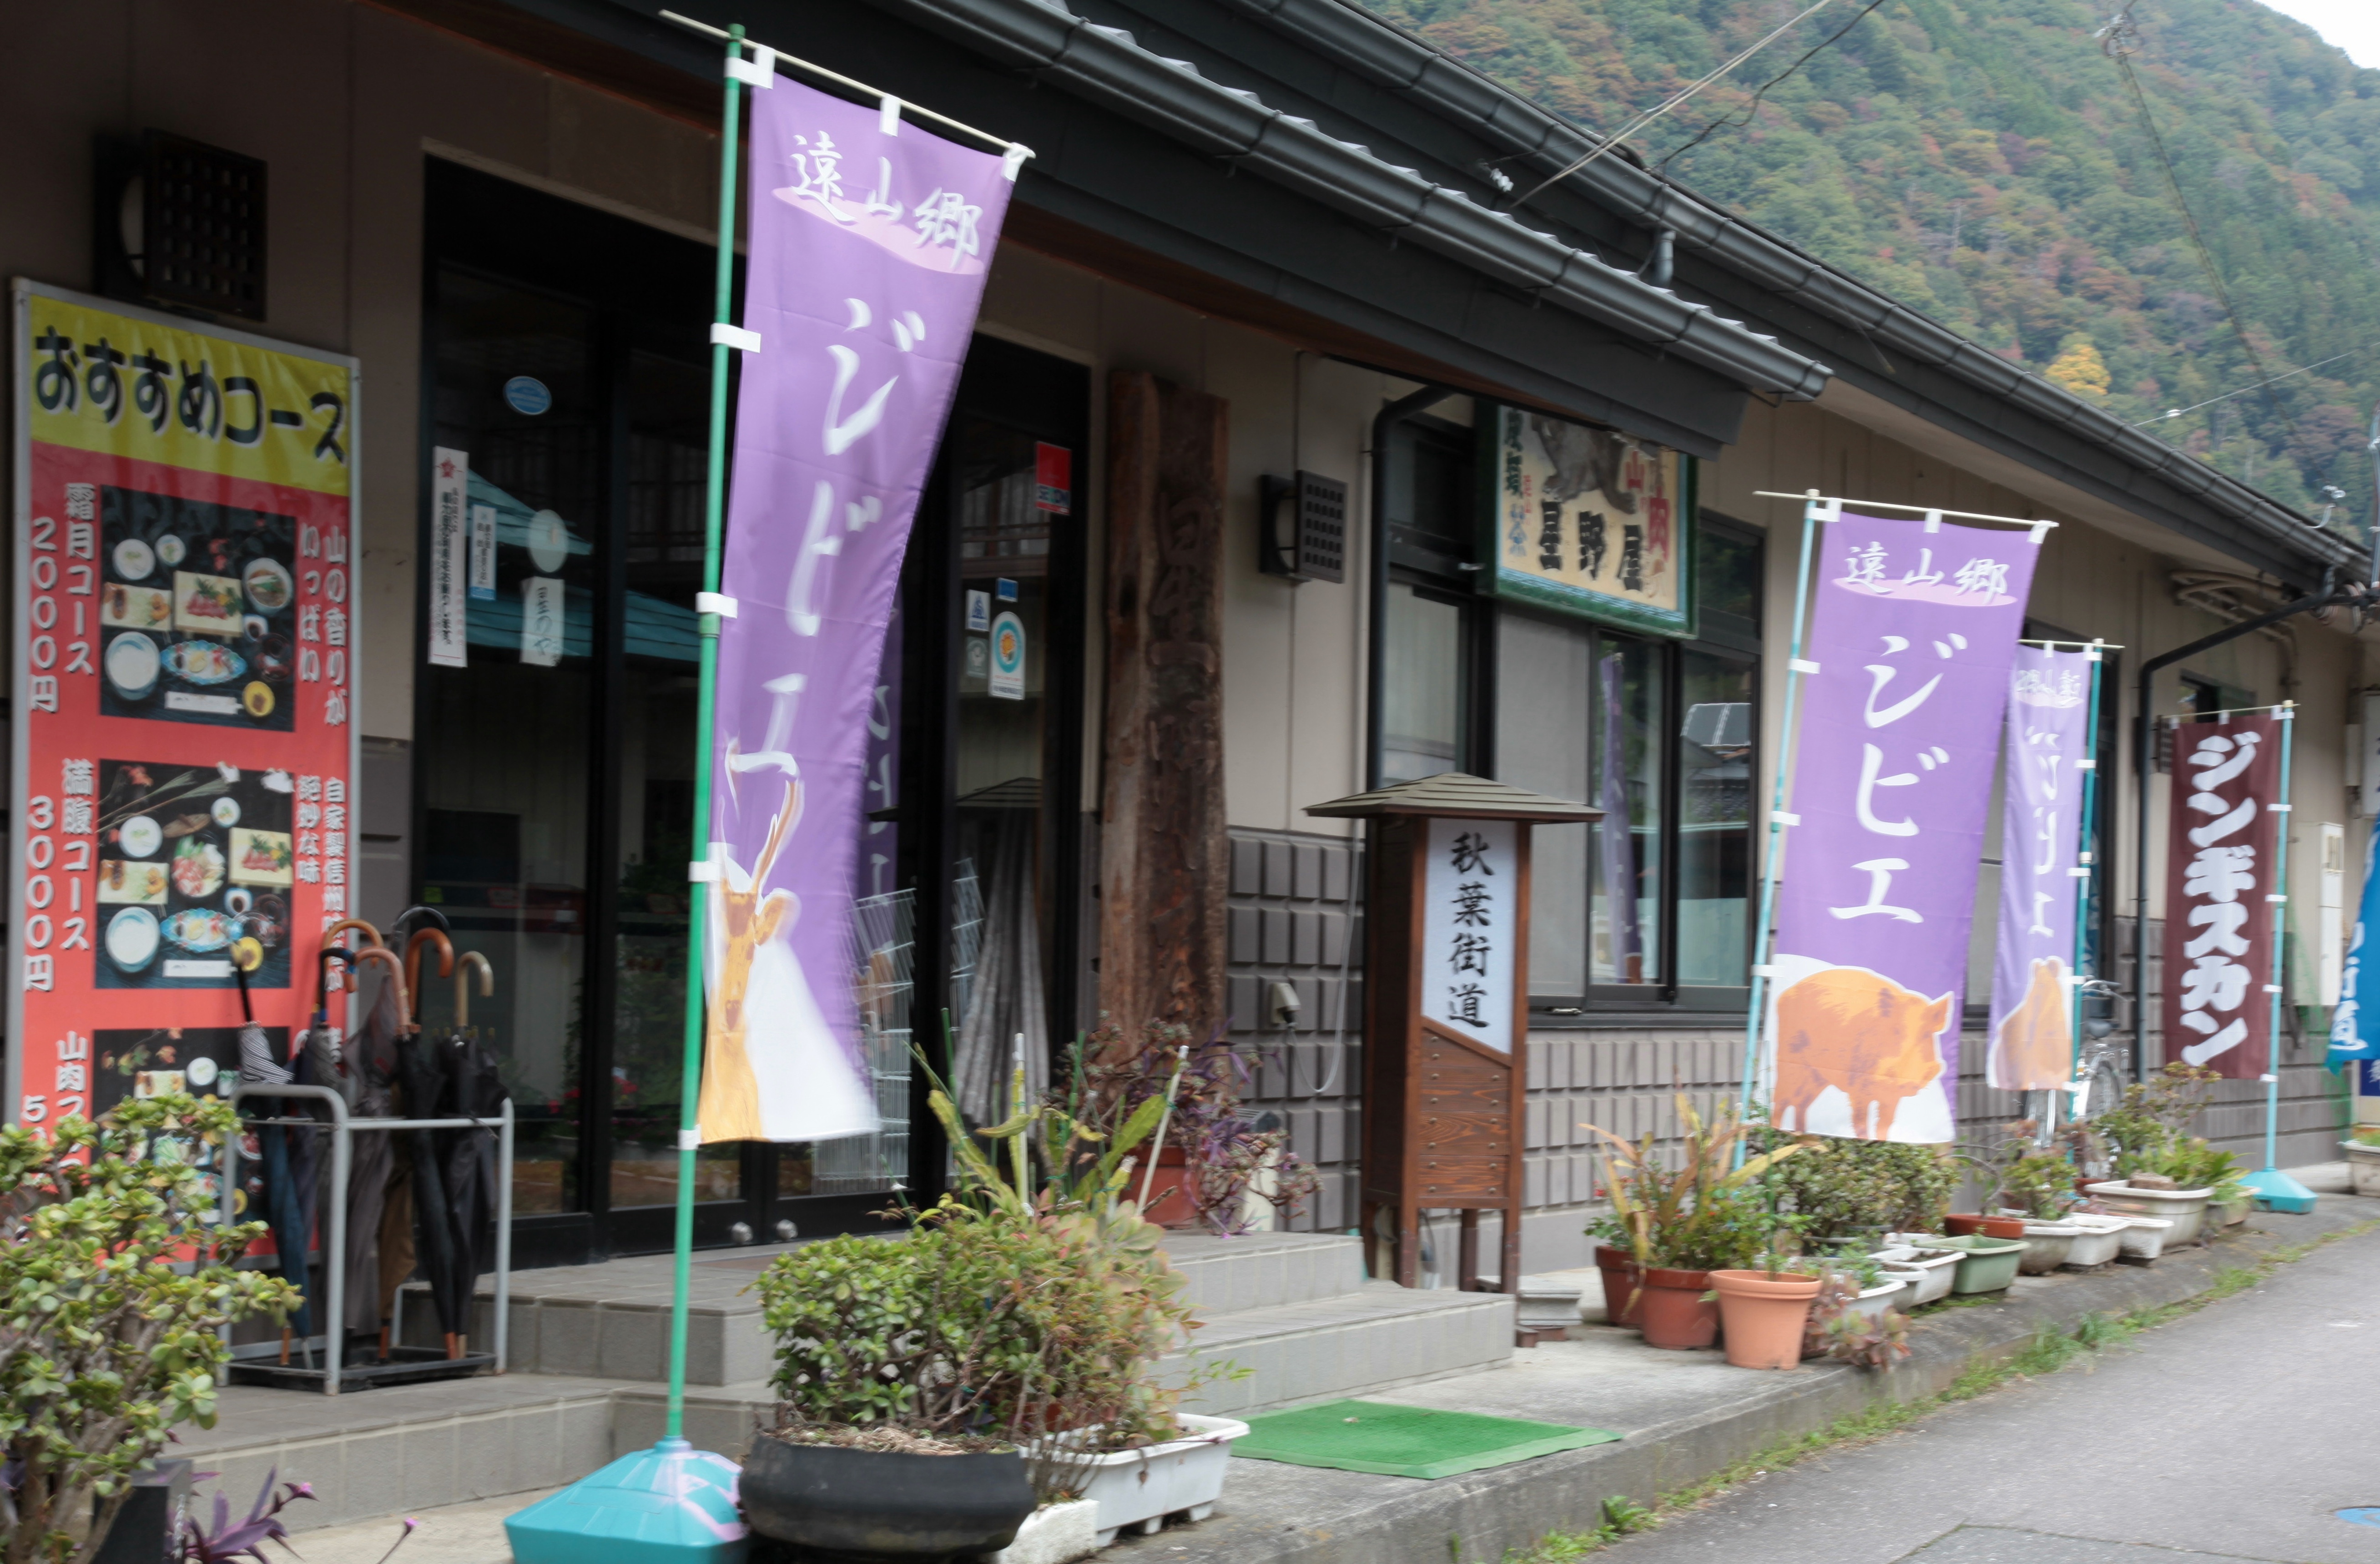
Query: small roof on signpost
x=1457, y=795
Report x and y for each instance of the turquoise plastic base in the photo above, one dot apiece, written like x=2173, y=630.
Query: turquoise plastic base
x=672, y=1504
x=2275, y=1191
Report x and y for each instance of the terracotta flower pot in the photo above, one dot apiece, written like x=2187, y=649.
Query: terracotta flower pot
x=1765, y=1317
x=1958, y=1226
x=2004, y=1227
x=1624, y=1301
x=1674, y=1315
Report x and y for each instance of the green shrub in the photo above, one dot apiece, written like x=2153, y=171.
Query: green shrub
x=1854, y=1188
x=105, y=1346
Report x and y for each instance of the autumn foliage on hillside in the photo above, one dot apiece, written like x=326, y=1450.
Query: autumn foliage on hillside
x=1985, y=164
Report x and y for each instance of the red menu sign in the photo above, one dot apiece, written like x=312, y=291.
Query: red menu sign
x=184, y=747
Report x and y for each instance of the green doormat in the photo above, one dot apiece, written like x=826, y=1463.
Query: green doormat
x=1404, y=1441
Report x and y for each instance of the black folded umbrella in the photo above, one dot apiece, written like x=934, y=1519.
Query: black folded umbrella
x=288, y=1186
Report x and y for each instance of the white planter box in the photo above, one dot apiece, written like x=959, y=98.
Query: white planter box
x=1135, y=1490
x=1871, y=1304
x=2144, y=1237
x=2046, y=1246
x=2185, y=1208
x=2101, y=1239
x=2362, y=1166
x=1055, y=1533
x=1928, y=1273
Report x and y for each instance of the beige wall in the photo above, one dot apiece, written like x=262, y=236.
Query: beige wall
x=342, y=101
x=1293, y=662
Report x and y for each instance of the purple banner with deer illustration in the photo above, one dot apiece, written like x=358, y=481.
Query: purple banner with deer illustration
x=869, y=243
x=1911, y=636
x=2047, y=737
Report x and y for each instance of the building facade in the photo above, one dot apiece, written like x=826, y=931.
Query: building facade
x=1259, y=243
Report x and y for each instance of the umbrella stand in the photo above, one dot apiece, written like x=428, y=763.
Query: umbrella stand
x=623, y=1505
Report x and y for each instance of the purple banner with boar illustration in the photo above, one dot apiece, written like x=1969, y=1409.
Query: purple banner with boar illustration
x=869, y=243
x=1912, y=633
x=2041, y=842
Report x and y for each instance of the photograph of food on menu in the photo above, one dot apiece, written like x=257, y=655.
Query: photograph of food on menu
x=192, y=859
x=202, y=1061
x=196, y=611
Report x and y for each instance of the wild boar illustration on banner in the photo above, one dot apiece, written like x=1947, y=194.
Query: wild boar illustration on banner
x=1912, y=634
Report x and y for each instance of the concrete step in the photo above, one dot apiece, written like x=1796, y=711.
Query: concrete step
x=1355, y=1343
x=1262, y=1270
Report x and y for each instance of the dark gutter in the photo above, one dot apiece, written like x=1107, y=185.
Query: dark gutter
x=1373, y=49
x=1104, y=66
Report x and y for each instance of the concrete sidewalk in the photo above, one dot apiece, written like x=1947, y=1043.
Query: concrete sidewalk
x=1684, y=1415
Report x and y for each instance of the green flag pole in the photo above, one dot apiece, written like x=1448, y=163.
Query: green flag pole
x=715, y=508
x=672, y=1504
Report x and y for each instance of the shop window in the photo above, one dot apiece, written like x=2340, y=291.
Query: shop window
x=1429, y=648
x=1652, y=904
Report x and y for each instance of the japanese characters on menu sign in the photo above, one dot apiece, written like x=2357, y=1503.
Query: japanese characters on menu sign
x=1471, y=928
x=184, y=690
x=2221, y=852
x=1590, y=522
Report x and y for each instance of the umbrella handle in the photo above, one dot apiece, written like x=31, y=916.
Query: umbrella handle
x=247, y=955
x=324, y=957
x=413, y=961
x=463, y=965
x=395, y=973
x=347, y=922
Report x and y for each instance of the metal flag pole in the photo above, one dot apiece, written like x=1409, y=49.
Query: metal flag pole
x=672, y=1504
x=2086, y=871
x=2275, y=1191
x=1814, y=509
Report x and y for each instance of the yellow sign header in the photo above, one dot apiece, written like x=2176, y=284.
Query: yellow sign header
x=117, y=386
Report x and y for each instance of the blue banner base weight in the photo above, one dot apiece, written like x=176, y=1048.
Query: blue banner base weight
x=2275, y=1191
x=672, y=1504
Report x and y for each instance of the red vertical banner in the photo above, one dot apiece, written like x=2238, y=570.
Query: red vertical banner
x=183, y=742
x=2223, y=845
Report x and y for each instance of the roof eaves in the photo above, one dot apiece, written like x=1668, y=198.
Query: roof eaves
x=1382, y=53
x=1106, y=66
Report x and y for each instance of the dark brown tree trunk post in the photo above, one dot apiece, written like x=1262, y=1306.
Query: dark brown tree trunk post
x=1164, y=858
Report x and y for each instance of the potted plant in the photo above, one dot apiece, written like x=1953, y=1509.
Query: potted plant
x=118, y=1281
x=934, y=1388
x=1681, y=1224
x=1928, y=1271
x=1206, y=1165
x=1986, y=1263
x=2149, y=1151
x=2363, y=1149
x=1764, y=1309
x=2034, y=1189
x=1855, y=1292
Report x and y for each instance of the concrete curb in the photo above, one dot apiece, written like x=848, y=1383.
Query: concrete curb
x=1477, y=1518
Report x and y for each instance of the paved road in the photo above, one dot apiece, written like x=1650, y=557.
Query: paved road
x=2235, y=1434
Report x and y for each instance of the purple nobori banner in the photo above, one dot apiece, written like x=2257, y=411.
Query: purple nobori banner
x=869, y=243
x=2041, y=843
x=1912, y=633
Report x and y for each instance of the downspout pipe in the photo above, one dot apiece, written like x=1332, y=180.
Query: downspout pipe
x=1384, y=423
x=2144, y=761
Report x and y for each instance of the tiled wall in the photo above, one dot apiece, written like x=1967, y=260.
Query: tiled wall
x=1294, y=899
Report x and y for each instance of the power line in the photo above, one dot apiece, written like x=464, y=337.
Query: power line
x=2177, y=412
x=1754, y=108
x=1649, y=116
x=2118, y=40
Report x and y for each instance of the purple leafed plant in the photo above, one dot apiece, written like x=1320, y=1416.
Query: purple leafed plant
x=1224, y=1151
x=245, y=1539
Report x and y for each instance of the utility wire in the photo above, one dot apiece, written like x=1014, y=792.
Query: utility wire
x=2177, y=412
x=2118, y=40
x=1649, y=116
x=1754, y=108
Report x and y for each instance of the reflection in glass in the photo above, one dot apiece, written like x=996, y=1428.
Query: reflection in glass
x=1422, y=706
x=1542, y=667
x=1715, y=761
x=1626, y=706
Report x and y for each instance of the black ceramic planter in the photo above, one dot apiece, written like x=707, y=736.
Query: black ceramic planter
x=862, y=1505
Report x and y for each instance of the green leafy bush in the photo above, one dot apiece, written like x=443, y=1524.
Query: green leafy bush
x=105, y=1346
x=1844, y=1189
x=1030, y=1322
x=1704, y=1215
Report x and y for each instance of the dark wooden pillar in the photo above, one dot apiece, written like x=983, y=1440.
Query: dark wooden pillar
x=1164, y=855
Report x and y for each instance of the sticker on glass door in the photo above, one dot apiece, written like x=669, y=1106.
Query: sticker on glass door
x=1007, y=657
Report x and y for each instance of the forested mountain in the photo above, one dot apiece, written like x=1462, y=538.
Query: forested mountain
x=1986, y=164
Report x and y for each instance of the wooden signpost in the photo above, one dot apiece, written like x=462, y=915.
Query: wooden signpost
x=1446, y=982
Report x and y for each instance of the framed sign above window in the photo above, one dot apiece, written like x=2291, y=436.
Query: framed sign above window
x=1588, y=522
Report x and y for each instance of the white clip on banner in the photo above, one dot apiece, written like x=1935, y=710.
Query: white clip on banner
x=888, y=115
x=735, y=336
x=1011, y=161
x=719, y=603
x=759, y=72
